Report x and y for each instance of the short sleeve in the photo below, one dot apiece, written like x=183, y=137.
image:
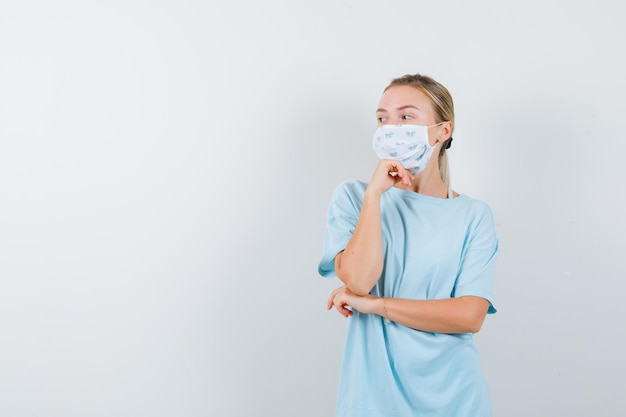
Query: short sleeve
x=341, y=220
x=477, y=270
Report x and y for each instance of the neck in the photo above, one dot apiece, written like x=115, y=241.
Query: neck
x=427, y=182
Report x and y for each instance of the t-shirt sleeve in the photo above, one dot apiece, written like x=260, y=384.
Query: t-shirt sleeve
x=476, y=274
x=341, y=221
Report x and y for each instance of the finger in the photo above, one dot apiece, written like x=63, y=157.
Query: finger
x=329, y=303
x=331, y=298
x=398, y=172
x=343, y=311
x=393, y=168
x=405, y=176
x=341, y=306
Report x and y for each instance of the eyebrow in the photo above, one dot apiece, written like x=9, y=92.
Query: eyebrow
x=408, y=106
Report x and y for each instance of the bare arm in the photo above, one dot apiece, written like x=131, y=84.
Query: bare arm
x=452, y=315
x=360, y=264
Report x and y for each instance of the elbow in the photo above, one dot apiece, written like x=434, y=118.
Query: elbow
x=359, y=289
x=476, y=322
x=356, y=286
x=475, y=326
x=473, y=315
x=467, y=326
x=358, y=281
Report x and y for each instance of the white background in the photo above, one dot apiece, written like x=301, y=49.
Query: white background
x=165, y=169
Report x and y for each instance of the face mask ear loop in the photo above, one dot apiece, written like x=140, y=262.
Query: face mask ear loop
x=437, y=124
x=446, y=143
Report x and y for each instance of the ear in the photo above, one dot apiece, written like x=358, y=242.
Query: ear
x=445, y=132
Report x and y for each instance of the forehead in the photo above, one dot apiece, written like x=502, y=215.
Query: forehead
x=404, y=95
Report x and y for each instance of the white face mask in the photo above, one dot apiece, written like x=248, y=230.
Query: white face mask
x=405, y=143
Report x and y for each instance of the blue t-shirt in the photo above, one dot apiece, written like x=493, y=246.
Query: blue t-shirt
x=434, y=248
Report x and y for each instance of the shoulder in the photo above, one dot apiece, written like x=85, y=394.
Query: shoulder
x=478, y=220
x=474, y=205
x=474, y=212
x=352, y=189
x=347, y=197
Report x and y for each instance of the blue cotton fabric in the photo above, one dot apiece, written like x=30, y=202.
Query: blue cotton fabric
x=434, y=249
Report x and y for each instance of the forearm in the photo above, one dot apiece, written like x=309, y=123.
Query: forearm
x=360, y=265
x=452, y=315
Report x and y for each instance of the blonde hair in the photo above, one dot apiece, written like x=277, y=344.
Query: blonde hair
x=443, y=106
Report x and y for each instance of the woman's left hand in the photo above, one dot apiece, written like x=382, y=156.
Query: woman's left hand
x=342, y=297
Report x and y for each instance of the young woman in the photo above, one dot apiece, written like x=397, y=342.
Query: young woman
x=417, y=263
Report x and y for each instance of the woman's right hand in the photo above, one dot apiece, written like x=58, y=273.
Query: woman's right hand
x=388, y=173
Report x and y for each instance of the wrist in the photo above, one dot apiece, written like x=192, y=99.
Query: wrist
x=372, y=193
x=383, y=309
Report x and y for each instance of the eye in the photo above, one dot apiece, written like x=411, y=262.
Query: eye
x=381, y=119
x=407, y=117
